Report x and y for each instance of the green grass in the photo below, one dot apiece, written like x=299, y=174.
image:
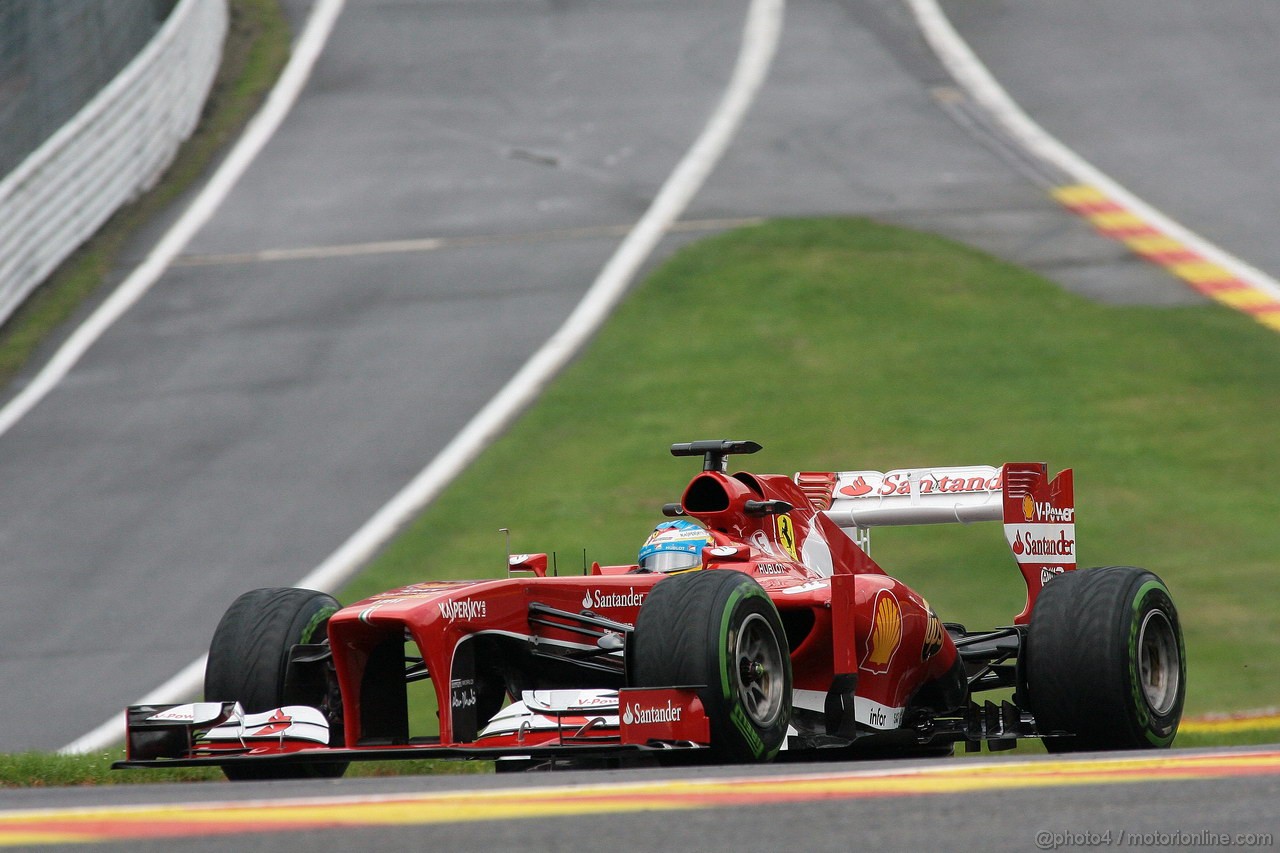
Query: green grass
x=256, y=48
x=842, y=344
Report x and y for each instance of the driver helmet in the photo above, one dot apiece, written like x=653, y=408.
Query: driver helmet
x=674, y=546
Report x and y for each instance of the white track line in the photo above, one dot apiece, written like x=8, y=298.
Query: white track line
x=972, y=76
x=759, y=44
x=432, y=244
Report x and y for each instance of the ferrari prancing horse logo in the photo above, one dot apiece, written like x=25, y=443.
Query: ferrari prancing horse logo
x=787, y=536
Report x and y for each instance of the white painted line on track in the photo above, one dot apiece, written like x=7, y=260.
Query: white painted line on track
x=974, y=77
x=256, y=135
x=259, y=131
x=433, y=244
x=761, y=33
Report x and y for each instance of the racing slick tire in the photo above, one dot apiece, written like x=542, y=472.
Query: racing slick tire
x=1105, y=661
x=719, y=629
x=248, y=658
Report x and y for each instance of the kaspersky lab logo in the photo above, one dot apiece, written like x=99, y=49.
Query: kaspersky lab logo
x=464, y=608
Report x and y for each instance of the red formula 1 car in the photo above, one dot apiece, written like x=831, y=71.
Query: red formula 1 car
x=762, y=630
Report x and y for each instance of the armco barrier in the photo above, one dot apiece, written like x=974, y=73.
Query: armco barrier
x=111, y=151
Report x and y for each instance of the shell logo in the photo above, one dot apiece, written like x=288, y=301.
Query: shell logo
x=1028, y=507
x=885, y=635
x=932, y=636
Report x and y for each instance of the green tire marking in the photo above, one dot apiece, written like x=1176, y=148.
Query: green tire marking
x=309, y=631
x=737, y=716
x=1135, y=685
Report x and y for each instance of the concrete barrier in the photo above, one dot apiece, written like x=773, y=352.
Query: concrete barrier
x=114, y=149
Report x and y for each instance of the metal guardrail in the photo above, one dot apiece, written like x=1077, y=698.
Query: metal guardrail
x=111, y=151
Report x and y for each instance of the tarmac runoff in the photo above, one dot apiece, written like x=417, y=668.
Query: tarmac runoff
x=1211, y=278
x=1085, y=190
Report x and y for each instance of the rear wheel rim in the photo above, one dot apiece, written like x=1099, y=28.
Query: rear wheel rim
x=1159, y=663
x=760, y=680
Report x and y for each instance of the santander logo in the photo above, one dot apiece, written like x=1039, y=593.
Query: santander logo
x=1024, y=544
x=857, y=488
x=928, y=483
x=637, y=713
x=278, y=723
x=596, y=599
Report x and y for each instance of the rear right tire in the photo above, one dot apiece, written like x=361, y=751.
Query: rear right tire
x=1105, y=661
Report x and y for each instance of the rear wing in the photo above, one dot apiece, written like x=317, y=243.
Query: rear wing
x=861, y=499
x=1038, y=513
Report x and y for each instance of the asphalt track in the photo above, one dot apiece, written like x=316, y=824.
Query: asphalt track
x=249, y=414
x=1133, y=800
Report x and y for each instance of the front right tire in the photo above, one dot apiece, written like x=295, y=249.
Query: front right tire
x=248, y=659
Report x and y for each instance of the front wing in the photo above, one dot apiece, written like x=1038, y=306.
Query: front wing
x=552, y=724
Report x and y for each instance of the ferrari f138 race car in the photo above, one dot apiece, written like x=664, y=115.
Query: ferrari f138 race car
x=755, y=625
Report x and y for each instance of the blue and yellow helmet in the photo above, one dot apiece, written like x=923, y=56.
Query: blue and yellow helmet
x=674, y=546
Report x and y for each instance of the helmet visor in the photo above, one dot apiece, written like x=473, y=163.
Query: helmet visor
x=671, y=561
